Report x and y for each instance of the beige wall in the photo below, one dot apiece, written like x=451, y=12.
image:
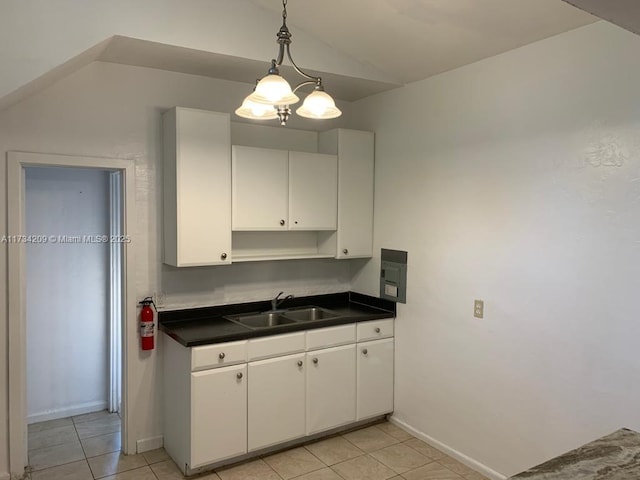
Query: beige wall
x=110, y=110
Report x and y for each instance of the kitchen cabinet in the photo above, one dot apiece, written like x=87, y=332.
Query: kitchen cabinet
x=313, y=191
x=205, y=397
x=197, y=188
x=355, y=151
x=331, y=388
x=276, y=190
x=229, y=400
x=374, y=389
x=218, y=414
x=276, y=401
x=260, y=189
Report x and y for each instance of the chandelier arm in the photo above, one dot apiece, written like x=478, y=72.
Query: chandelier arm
x=303, y=84
x=316, y=80
x=278, y=61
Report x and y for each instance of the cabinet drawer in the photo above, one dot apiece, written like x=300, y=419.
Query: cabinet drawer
x=218, y=355
x=331, y=336
x=276, y=345
x=375, y=329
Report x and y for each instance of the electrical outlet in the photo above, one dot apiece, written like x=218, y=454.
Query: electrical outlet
x=159, y=298
x=478, y=308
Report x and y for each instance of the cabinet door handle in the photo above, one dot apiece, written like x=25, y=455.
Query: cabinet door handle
x=239, y=375
x=299, y=363
x=282, y=222
x=365, y=351
x=345, y=251
x=377, y=329
x=223, y=256
x=221, y=356
x=315, y=360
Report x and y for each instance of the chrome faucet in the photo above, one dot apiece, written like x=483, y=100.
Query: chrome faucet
x=276, y=302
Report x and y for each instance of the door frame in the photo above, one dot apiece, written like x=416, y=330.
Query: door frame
x=16, y=164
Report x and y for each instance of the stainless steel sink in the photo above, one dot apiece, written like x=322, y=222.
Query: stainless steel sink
x=261, y=320
x=308, y=314
x=282, y=317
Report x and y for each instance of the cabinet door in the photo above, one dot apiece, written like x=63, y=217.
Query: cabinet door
x=218, y=414
x=375, y=378
x=313, y=191
x=355, y=194
x=331, y=388
x=276, y=400
x=260, y=187
x=197, y=188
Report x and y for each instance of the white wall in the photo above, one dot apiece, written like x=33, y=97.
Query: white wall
x=516, y=180
x=67, y=293
x=112, y=110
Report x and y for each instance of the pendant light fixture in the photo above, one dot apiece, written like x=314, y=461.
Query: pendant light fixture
x=272, y=96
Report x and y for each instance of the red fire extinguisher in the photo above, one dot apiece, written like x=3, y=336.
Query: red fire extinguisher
x=146, y=323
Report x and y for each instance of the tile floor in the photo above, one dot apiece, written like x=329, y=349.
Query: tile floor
x=87, y=447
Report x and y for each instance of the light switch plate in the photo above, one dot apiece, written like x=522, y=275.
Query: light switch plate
x=478, y=308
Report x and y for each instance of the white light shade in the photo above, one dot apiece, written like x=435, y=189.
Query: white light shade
x=273, y=90
x=256, y=111
x=319, y=104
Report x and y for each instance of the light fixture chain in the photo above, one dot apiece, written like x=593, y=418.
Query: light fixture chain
x=284, y=10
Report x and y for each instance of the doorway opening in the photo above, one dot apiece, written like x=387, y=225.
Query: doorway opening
x=73, y=313
x=71, y=290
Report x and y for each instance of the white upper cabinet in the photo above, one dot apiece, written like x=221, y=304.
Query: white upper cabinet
x=313, y=191
x=197, y=188
x=260, y=189
x=355, y=150
x=276, y=190
x=251, y=203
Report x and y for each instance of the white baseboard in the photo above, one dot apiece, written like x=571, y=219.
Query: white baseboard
x=65, y=412
x=461, y=457
x=147, y=444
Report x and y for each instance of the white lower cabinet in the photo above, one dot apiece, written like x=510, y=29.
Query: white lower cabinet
x=228, y=399
x=218, y=414
x=276, y=401
x=374, y=389
x=331, y=388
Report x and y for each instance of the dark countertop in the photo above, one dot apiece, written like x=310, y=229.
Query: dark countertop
x=612, y=457
x=202, y=326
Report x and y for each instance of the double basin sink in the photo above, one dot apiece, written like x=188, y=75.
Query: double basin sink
x=282, y=317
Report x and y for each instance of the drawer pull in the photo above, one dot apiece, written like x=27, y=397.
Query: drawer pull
x=221, y=356
x=315, y=360
x=239, y=375
x=377, y=329
x=299, y=363
x=365, y=351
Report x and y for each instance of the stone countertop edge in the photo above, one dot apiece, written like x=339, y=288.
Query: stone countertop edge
x=206, y=325
x=613, y=457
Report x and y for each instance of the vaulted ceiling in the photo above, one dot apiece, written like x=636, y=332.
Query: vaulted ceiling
x=624, y=13
x=411, y=40
x=364, y=46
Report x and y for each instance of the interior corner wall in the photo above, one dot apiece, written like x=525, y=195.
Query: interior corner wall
x=515, y=180
x=109, y=110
